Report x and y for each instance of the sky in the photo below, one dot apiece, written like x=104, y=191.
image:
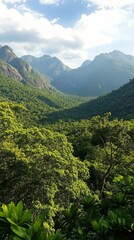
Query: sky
x=72, y=30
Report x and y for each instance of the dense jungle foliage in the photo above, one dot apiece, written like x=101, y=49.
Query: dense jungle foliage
x=65, y=180
x=62, y=178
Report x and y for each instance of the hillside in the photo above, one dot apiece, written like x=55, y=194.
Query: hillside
x=40, y=103
x=105, y=73
x=50, y=66
x=26, y=74
x=119, y=102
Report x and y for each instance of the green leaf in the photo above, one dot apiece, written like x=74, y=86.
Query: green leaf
x=132, y=226
x=95, y=225
x=80, y=231
x=20, y=231
x=16, y=238
x=11, y=207
x=26, y=217
x=37, y=225
x=11, y=221
x=119, y=221
x=112, y=216
x=5, y=210
x=19, y=209
x=2, y=214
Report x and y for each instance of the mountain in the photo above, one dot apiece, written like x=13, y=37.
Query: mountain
x=9, y=71
x=50, y=66
x=85, y=63
x=21, y=70
x=119, y=102
x=7, y=54
x=105, y=73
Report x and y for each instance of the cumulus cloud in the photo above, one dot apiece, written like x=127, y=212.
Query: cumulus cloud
x=47, y=2
x=29, y=32
x=112, y=3
x=100, y=27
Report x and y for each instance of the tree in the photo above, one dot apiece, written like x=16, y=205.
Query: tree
x=113, y=147
x=38, y=165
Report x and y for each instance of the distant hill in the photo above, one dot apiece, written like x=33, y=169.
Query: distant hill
x=50, y=66
x=39, y=103
x=119, y=102
x=21, y=70
x=105, y=73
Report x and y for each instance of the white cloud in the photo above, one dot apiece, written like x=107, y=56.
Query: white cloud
x=99, y=28
x=47, y=2
x=112, y=3
x=14, y=1
x=29, y=32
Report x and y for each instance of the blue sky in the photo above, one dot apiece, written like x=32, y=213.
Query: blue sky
x=72, y=30
x=68, y=12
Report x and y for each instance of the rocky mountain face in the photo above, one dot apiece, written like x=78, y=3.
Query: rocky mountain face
x=105, y=73
x=7, y=54
x=9, y=71
x=14, y=67
x=50, y=66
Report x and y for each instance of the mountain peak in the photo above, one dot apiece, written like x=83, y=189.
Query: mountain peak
x=85, y=63
x=47, y=65
x=7, y=48
x=45, y=57
x=7, y=54
x=115, y=55
x=116, y=52
x=108, y=71
x=15, y=67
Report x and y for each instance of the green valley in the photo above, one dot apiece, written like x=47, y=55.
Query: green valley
x=66, y=162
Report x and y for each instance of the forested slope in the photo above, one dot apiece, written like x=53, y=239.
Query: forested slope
x=81, y=184
x=119, y=102
x=40, y=103
x=77, y=177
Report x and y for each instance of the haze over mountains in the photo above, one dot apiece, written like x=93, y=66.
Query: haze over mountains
x=21, y=84
x=50, y=66
x=105, y=73
x=119, y=102
x=111, y=70
x=108, y=71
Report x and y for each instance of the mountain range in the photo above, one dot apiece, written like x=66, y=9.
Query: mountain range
x=108, y=71
x=14, y=67
x=105, y=73
x=50, y=66
x=52, y=105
